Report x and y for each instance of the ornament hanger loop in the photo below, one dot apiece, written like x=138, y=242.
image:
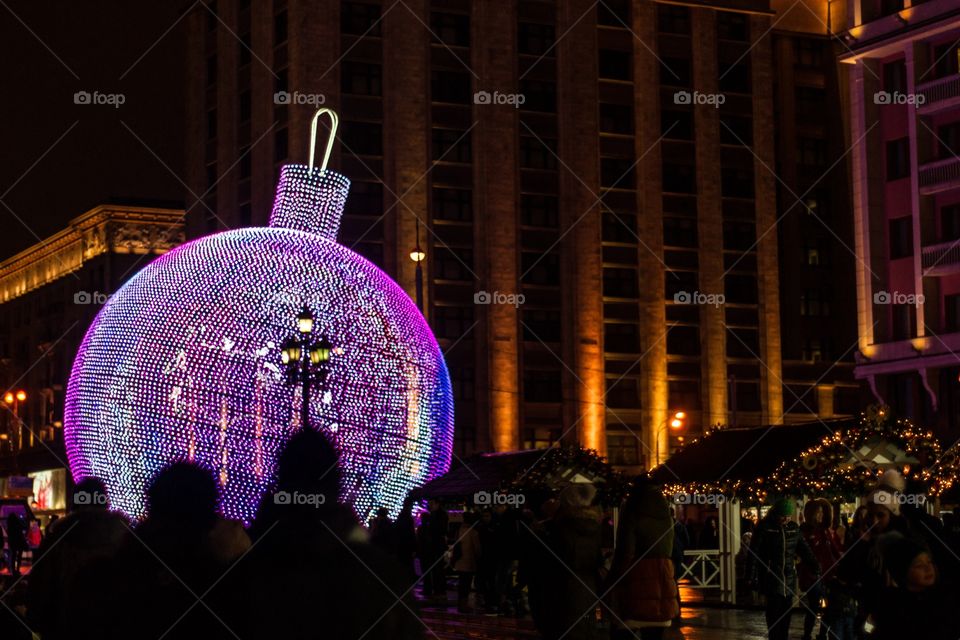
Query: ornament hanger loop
x=334, y=122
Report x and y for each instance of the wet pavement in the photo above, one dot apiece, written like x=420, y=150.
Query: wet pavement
x=723, y=624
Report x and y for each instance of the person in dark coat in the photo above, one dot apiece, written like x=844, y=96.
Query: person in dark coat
x=774, y=549
x=681, y=540
x=571, y=564
x=74, y=567
x=818, y=534
x=16, y=541
x=641, y=587
x=914, y=605
x=313, y=573
x=432, y=564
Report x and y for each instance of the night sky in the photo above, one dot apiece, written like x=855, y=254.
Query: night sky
x=97, y=158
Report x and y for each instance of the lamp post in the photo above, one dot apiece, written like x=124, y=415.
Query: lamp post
x=675, y=422
x=418, y=256
x=306, y=361
x=13, y=399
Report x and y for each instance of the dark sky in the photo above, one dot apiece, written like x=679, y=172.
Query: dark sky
x=98, y=43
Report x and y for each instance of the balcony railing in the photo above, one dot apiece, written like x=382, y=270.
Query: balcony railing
x=937, y=92
x=941, y=259
x=939, y=175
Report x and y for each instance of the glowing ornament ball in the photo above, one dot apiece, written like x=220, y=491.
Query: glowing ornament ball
x=183, y=363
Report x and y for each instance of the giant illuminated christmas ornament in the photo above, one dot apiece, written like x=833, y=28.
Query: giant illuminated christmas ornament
x=184, y=362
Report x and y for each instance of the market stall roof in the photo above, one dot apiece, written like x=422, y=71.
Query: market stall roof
x=744, y=453
x=481, y=472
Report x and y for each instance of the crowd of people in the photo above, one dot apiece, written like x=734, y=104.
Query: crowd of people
x=306, y=569
x=889, y=574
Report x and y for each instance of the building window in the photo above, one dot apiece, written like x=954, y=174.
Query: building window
x=948, y=140
x=618, y=173
x=679, y=282
x=453, y=204
x=809, y=53
x=452, y=264
x=904, y=321
x=360, y=18
x=451, y=145
x=620, y=283
x=366, y=199
x=901, y=237
x=538, y=210
x=739, y=235
x=453, y=322
x=362, y=138
x=621, y=338
x=280, y=151
x=740, y=289
x=245, y=163
x=814, y=303
x=950, y=222
x=535, y=39
x=618, y=226
x=542, y=386
x=951, y=312
x=539, y=95
x=462, y=381
x=614, y=65
x=538, y=153
x=895, y=76
x=246, y=214
x=736, y=130
x=810, y=102
x=360, y=78
x=743, y=343
x=676, y=124
x=541, y=324
x=812, y=257
x=614, y=13
x=540, y=437
x=245, y=49
x=675, y=72
x=733, y=26
x=211, y=71
x=451, y=29
x=622, y=393
x=811, y=350
x=680, y=232
x=678, y=178
x=683, y=395
x=244, y=108
x=539, y=268
x=616, y=118
x=736, y=182
x=623, y=450
x=211, y=124
x=735, y=77
x=450, y=86
x=683, y=340
x=811, y=152
x=673, y=19
x=280, y=28
x=898, y=159
x=947, y=59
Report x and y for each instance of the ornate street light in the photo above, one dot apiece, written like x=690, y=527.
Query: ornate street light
x=306, y=360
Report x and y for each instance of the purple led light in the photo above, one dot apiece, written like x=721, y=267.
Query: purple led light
x=183, y=362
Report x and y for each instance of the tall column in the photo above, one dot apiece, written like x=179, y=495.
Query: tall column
x=653, y=311
x=406, y=114
x=765, y=197
x=713, y=329
x=495, y=197
x=577, y=98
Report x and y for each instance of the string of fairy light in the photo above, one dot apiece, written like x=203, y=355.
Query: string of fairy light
x=184, y=363
x=835, y=467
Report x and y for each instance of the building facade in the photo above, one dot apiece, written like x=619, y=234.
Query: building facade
x=49, y=294
x=904, y=129
x=595, y=186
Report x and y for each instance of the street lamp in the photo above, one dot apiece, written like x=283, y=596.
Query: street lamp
x=418, y=256
x=675, y=422
x=13, y=399
x=306, y=360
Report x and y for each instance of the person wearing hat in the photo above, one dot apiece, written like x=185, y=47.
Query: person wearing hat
x=774, y=549
x=913, y=605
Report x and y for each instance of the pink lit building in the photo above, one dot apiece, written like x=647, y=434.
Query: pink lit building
x=904, y=136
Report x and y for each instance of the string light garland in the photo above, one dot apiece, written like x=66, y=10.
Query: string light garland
x=838, y=467
x=552, y=470
x=184, y=363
